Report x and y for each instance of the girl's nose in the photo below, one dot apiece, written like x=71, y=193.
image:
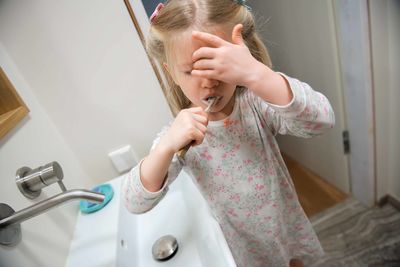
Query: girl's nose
x=209, y=83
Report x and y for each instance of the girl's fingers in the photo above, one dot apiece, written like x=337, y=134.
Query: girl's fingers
x=204, y=64
x=195, y=110
x=209, y=38
x=209, y=74
x=200, y=111
x=201, y=119
x=198, y=135
x=198, y=115
x=201, y=126
x=202, y=53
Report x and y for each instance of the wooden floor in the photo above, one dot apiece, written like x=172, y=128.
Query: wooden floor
x=314, y=193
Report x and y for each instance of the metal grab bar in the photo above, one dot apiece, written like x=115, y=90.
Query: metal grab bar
x=50, y=203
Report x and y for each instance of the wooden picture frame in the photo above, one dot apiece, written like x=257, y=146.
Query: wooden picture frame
x=12, y=107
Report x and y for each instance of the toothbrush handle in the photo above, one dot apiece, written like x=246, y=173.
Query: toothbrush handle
x=181, y=153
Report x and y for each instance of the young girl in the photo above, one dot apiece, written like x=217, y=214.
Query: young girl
x=210, y=48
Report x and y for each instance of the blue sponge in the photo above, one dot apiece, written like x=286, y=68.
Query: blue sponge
x=89, y=207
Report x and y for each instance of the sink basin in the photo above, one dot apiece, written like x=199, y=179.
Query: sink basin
x=115, y=237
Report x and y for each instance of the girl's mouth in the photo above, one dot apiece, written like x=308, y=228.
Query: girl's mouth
x=207, y=100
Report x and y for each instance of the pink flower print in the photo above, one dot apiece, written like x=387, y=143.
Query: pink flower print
x=271, y=171
x=299, y=227
x=259, y=207
x=262, y=197
x=308, y=126
x=239, y=168
x=236, y=147
x=268, y=218
x=250, y=178
x=210, y=134
x=228, y=122
x=326, y=111
x=284, y=183
x=139, y=196
x=221, y=189
x=199, y=178
x=224, y=156
x=235, y=197
x=317, y=126
x=305, y=237
x=206, y=155
x=232, y=212
x=253, y=251
x=247, y=161
x=289, y=196
x=218, y=171
x=259, y=187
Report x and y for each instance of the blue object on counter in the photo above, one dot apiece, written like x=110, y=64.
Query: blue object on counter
x=89, y=207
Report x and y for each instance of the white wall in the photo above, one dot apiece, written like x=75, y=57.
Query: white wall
x=385, y=25
x=354, y=51
x=87, y=67
x=34, y=142
x=394, y=78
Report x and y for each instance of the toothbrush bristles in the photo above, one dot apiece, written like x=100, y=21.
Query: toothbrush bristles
x=211, y=100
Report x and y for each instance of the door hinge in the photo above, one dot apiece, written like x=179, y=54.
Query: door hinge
x=346, y=142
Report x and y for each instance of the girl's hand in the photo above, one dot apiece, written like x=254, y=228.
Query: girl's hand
x=189, y=125
x=224, y=61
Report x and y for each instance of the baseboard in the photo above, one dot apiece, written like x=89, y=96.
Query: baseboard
x=391, y=200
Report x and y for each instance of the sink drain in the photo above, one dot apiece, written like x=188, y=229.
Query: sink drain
x=165, y=248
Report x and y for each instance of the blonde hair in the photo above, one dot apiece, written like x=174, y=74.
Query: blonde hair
x=180, y=15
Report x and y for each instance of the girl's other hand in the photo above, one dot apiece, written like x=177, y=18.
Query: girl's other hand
x=224, y=61
x=189, y=125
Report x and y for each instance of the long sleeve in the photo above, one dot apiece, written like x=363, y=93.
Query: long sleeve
x=137, y=198
x=308, y=114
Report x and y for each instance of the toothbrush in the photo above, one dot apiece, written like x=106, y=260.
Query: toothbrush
x=211, y=101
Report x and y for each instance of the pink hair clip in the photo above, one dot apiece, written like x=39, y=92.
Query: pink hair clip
x=156, y=11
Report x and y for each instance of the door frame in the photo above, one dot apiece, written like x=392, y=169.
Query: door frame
x=354, y=50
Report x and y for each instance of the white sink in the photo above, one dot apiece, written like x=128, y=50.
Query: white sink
x=114, y=237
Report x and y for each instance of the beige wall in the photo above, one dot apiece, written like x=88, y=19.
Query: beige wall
x=88, y=69
x=300, y=36
x=36, y=141
x=290, y=54
x=81, y=69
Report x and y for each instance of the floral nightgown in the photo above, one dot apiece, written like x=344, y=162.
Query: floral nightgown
x=240, y=172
